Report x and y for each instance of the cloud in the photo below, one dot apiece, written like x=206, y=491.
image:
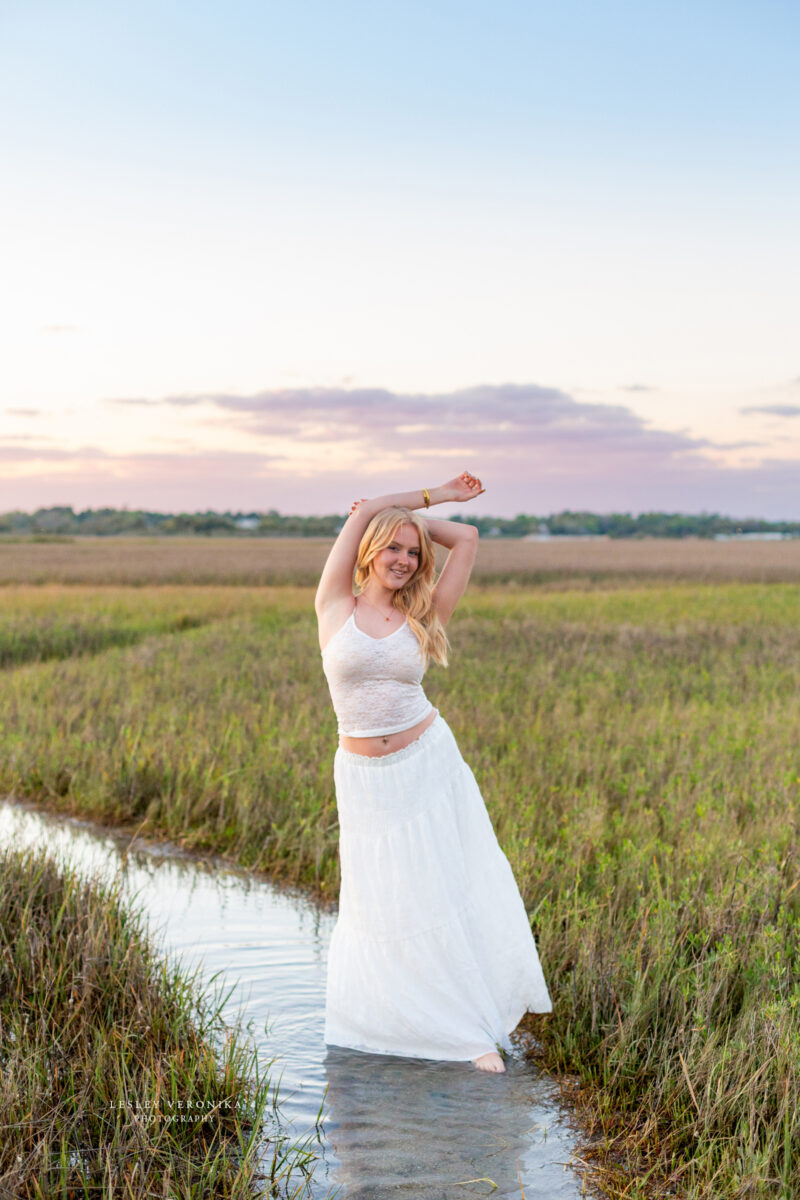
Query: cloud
x=142, y=463
x=24, y=412
x=491, y=418
x=60, y=329
x=772, y=410
x=133, y=400
x=38, y=438
x=89, y=476
x=536, y=448
x=10, y=452
x=637, y=387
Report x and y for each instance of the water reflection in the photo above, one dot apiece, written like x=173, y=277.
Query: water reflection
x=416, y=1129
x=391, y=1127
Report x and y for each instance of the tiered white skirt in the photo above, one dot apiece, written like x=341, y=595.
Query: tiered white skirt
x=432, y=953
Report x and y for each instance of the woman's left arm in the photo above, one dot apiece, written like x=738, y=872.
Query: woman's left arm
x=462, y=542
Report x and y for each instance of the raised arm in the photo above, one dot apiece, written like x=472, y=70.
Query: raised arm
x=462, y=542
x=336, y=582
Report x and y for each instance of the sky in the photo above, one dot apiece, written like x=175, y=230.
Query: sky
x=261, y=255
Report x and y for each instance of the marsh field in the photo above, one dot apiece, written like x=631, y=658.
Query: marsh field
x=260, y=561
x=632, y=722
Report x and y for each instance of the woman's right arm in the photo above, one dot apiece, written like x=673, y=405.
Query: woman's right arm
x=336, y=581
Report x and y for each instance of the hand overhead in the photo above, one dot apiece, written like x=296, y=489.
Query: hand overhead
x=464, y=487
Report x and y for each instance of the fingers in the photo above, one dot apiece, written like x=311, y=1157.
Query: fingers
x=472, y=482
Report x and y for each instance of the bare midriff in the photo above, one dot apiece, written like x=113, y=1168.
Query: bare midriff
x=387, y=743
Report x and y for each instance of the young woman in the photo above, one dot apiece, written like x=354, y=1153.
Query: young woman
x=432, y=953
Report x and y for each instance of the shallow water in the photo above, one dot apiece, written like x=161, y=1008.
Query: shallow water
x=392, y=1128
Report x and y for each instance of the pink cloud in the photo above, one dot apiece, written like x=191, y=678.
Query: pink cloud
x=537, y=449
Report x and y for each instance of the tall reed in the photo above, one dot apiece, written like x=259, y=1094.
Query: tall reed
x=119, y=1076
x=637, y=752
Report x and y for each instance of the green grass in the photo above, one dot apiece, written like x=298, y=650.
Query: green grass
x=38, y=623
x=118, y=1075
x=637, y=749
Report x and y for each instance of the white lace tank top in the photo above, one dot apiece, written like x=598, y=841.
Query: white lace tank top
x=375, y=683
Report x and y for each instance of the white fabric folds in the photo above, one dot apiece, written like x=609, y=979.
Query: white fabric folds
x=432, y=954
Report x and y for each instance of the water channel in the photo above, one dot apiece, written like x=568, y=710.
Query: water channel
x=392, y=1128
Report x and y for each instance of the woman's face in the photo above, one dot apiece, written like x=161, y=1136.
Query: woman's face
x=397, y=562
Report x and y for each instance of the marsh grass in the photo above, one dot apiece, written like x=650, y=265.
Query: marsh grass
x=637, y=750
x=37, y=624
x=118, y=1075
x=240, y=561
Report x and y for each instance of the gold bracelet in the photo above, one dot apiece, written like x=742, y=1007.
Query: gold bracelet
x=426, y=496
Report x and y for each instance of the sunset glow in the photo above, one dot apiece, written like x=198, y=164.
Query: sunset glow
x=270, y=257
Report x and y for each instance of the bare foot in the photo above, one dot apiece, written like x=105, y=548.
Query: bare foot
x=490, y=1062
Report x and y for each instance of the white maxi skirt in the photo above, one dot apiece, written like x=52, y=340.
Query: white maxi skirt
x=432, y=953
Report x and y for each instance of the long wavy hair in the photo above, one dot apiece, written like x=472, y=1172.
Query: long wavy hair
x=415, y=598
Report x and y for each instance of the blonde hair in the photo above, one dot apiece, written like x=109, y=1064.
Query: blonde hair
x=415, y=598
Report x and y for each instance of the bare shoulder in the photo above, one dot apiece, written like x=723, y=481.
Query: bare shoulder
x=332, y=616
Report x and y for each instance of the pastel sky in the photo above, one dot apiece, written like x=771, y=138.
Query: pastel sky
x=261, y=255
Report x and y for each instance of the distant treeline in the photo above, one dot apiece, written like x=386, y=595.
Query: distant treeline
x=64, y=521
